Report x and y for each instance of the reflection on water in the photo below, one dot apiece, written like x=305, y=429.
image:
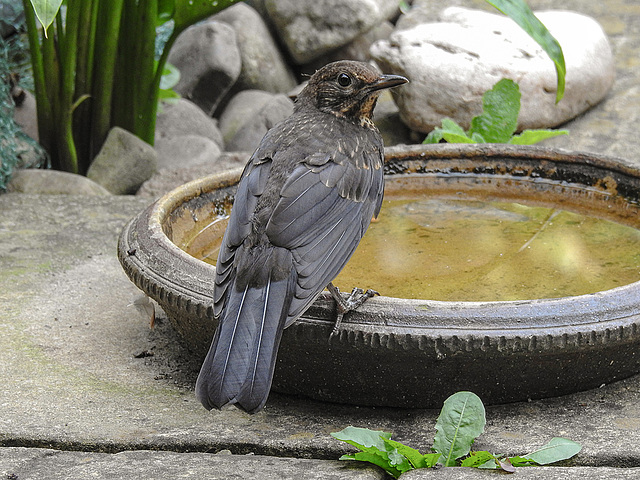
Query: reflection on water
x=468, y=250
x=465, y=250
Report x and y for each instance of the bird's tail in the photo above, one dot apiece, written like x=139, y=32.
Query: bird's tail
x=240, y=363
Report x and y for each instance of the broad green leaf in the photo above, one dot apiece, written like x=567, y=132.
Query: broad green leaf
x=46, y=11
x=529, y=137
x=461, y=421
x=499, y=118
x=434, y=136
x=456, y=138
x=188, y=12
x=363, y=438
x=413, y=456
x=475, y=459
x=376, y=459
x=519, y=12
x=557, y=449
x=450, y=131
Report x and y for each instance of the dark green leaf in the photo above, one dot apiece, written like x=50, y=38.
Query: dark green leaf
x=499, y=118
x=554, y=451
x=529, y=137
x=519, y=12
x=461, y=421
x=188, y=12
x=165, y=11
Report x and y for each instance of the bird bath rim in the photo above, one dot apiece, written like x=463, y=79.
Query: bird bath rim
x=546, y=347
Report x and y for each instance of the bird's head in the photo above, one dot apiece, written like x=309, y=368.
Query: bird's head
x=347, y=89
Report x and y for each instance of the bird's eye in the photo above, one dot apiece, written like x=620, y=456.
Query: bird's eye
x=344, y=80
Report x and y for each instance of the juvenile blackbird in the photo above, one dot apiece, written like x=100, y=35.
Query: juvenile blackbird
x=304, y=201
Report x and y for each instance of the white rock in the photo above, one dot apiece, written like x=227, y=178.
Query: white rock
x=452, y=63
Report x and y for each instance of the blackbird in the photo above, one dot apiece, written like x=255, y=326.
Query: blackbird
x=304, y=201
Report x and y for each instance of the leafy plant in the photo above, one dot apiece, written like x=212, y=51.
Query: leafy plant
x=94, y=67
x=461, y=421
x=496, y=124
x=519, y=12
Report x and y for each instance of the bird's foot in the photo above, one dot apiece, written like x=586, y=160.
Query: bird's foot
x=352, y=302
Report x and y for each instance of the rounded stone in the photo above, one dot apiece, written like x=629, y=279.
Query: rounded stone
x=451, y=64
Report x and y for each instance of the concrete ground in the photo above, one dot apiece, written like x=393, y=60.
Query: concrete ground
x=90, y=391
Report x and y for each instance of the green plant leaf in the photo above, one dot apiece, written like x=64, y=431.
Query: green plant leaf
x=461, y=421
x=377, y=459
x=475, y=459
x=529, y=137
x=166, y=9
x=46, y=11
x=450, y=131
x=170, y=77
x=557, y=449
x=521, y=461
x=188, y=12
x=363, y=438
x=499, y=118
x=519, y=12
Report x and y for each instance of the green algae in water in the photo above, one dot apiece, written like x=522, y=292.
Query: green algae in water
x=470, y=250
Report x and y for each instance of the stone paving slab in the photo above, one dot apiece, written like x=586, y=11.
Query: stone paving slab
x=82, y=369
x=40, y=463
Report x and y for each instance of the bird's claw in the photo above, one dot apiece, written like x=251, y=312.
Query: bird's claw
x=353, y=301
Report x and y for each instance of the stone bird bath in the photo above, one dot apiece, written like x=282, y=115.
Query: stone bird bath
x=415, y=353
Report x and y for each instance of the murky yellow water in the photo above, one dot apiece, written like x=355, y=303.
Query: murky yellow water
x=466, y=250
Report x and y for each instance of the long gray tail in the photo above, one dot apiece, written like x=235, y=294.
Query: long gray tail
x=240, y=363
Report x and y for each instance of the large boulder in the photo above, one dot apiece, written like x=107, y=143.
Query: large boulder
x=263, y=65
x=209, y=61
x=452, y=63
x=312, y=29
x=124, y=163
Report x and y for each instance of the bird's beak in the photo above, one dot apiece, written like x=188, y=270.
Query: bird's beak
x=387, y=81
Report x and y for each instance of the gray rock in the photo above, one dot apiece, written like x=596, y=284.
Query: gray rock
x=183, y=117
x=209, y=61
x=263, y=66
x=358, y=49
x=452, y=63
x=53, y=182
x=185, y=151
x=123, y=163
x=26, y=116
x=249, y=115
x=166, y=179
x=311, y=29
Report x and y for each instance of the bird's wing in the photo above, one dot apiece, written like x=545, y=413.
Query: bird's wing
x=325, y=207
x=251, y=186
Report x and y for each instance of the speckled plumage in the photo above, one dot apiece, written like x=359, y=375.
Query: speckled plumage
x=305, y=199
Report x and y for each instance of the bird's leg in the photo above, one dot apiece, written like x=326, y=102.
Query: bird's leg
x=353, y=301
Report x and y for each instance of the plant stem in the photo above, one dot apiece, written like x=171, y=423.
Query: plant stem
x=106, y=43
